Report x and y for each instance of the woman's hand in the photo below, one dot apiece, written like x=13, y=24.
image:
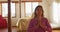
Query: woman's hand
x=46, y=31
x=41, y=24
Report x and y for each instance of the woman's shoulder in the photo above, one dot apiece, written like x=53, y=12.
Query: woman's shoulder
x=32, y=19
x=45, y=18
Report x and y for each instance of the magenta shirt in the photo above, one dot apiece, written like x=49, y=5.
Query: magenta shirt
x=33, y=23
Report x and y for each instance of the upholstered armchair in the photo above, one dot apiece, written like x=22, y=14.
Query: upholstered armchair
x=22, y=24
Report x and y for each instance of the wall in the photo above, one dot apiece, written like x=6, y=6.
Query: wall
x=3, y=0
x=0, y=8
x=47, y=8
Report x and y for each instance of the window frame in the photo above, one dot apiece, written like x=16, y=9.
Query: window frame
x=15, y=9
x=25, y=9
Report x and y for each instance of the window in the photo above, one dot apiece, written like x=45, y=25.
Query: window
x=30, y=7
x=5, y=9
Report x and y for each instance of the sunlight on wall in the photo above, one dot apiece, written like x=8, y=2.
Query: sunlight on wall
x=55, y=12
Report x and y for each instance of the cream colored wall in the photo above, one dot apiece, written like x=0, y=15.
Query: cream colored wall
x=50, y=9
x=0, y=8
x=47, y=8
x=3, y=0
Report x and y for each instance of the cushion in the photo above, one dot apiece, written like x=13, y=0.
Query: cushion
x=3, y=22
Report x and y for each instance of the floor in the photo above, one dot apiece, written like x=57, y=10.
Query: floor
x=6, y=30
x=15, y=30
x=56, y=30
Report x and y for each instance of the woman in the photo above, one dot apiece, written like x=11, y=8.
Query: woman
x=39, y=23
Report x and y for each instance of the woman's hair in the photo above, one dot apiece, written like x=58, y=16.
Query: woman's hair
x=39, y=6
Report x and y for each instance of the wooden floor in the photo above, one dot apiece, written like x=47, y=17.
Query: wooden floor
x=6, y=30
x=15, y=30
x=56, y=30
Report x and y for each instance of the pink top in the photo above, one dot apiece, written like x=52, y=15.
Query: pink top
x=33, y=23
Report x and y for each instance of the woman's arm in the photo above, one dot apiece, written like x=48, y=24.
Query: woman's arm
x=45, y=26
x=49, y=29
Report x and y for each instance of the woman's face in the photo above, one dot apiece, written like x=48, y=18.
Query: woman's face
x=39, y=11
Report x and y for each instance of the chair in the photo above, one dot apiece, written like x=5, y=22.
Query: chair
x=23, y=25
